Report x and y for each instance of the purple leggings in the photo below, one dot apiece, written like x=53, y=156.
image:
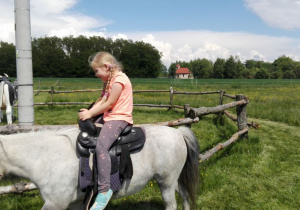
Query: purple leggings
x=108, y=135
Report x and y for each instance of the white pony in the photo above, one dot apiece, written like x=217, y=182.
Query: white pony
x=7, y=98
x=49, y=159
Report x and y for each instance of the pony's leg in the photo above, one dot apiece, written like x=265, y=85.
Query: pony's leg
x=50, y=206
x=8, y=106
x=12, y=113
x=185, y=197
x=8, y=115
x=168, y=194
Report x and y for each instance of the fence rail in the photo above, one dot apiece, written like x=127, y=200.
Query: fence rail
x=171, y=105
x=192, y=115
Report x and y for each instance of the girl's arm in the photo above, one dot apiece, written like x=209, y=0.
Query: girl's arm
x=99, y=108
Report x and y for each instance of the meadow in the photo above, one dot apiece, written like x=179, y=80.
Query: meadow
x=260, y=172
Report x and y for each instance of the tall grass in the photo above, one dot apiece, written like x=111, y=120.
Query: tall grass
x=274, y=100
x=261, y=172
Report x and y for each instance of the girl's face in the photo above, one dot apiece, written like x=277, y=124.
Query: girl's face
x=102, y=72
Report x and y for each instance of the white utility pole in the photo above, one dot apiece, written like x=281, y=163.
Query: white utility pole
x=24, y=63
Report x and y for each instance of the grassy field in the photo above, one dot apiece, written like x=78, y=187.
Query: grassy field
x=261, y=172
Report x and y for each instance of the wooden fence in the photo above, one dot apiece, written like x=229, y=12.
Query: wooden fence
x=171, y=92
x=192, y=115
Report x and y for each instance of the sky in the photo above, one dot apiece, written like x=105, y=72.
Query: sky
x=181, y=30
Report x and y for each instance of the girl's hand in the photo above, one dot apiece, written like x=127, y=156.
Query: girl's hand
x=84, y=114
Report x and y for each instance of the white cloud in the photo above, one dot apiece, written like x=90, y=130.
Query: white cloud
x=72, y=25
x=50, y=18
x=57, y=20
x=45, y=7
x=254, y=54
x=277, y=13
x=188, y=45
x=211, y=51
x=7, y=32
x=120, y=36
x=164, y=47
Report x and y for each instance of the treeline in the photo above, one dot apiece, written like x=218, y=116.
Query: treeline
x=232, y=68
x=68, y=56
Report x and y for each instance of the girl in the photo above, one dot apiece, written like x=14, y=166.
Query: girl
x=116, y=104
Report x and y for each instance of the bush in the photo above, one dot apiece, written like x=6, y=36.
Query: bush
x=262, y=74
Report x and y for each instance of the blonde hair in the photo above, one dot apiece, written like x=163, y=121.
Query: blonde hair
x=99, y=60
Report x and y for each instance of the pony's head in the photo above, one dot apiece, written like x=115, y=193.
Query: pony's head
x=4, y=75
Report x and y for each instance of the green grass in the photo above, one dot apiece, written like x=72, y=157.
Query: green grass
x=261, y=172
x=275, y=100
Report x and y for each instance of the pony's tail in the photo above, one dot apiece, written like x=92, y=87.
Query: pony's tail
x=189, y=177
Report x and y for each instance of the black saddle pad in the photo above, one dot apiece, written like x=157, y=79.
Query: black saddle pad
x=132, y=140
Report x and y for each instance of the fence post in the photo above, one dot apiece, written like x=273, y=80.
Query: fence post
x=171, y=98
x=52, y=92
x=221, y=96
x=39, y=87
x=241, y=114
x=221, y=103
x=186, y=113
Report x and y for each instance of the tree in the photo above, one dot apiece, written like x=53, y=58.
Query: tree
x=117, y=47
x=196, y=68
x=249, y=73
x=230, y=68
x=129, y=57
x=82, y=49
x=284, y=63
x=172, y=70
x=47, y=57
x=281, y=65
x=239, y=68
x=288, y=75
x=219, y=68
x=163, y=70
x=253, y=66
x=7, y=59
x=262, y=74
x=140, y=60
x=250, y=64
x=201, y=68
x=150, y=63
x=297, y=70
x=68, y=57
x=233, y=68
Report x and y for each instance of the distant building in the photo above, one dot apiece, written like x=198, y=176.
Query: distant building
x=183, y=73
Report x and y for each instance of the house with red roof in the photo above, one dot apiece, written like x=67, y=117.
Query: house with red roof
x=183, y=73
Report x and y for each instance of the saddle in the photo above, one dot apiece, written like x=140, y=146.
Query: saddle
x=131, y=140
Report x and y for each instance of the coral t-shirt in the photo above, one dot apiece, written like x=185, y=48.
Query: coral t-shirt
x=122, y=109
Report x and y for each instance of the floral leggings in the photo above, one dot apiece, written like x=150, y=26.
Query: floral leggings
x=108, y=135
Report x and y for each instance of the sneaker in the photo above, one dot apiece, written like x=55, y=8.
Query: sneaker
x=102, y=200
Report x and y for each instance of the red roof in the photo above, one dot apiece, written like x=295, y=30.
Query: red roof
x=183, y=71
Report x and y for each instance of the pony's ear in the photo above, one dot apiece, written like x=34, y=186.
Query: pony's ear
x=0, y=76
x=5, y=75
